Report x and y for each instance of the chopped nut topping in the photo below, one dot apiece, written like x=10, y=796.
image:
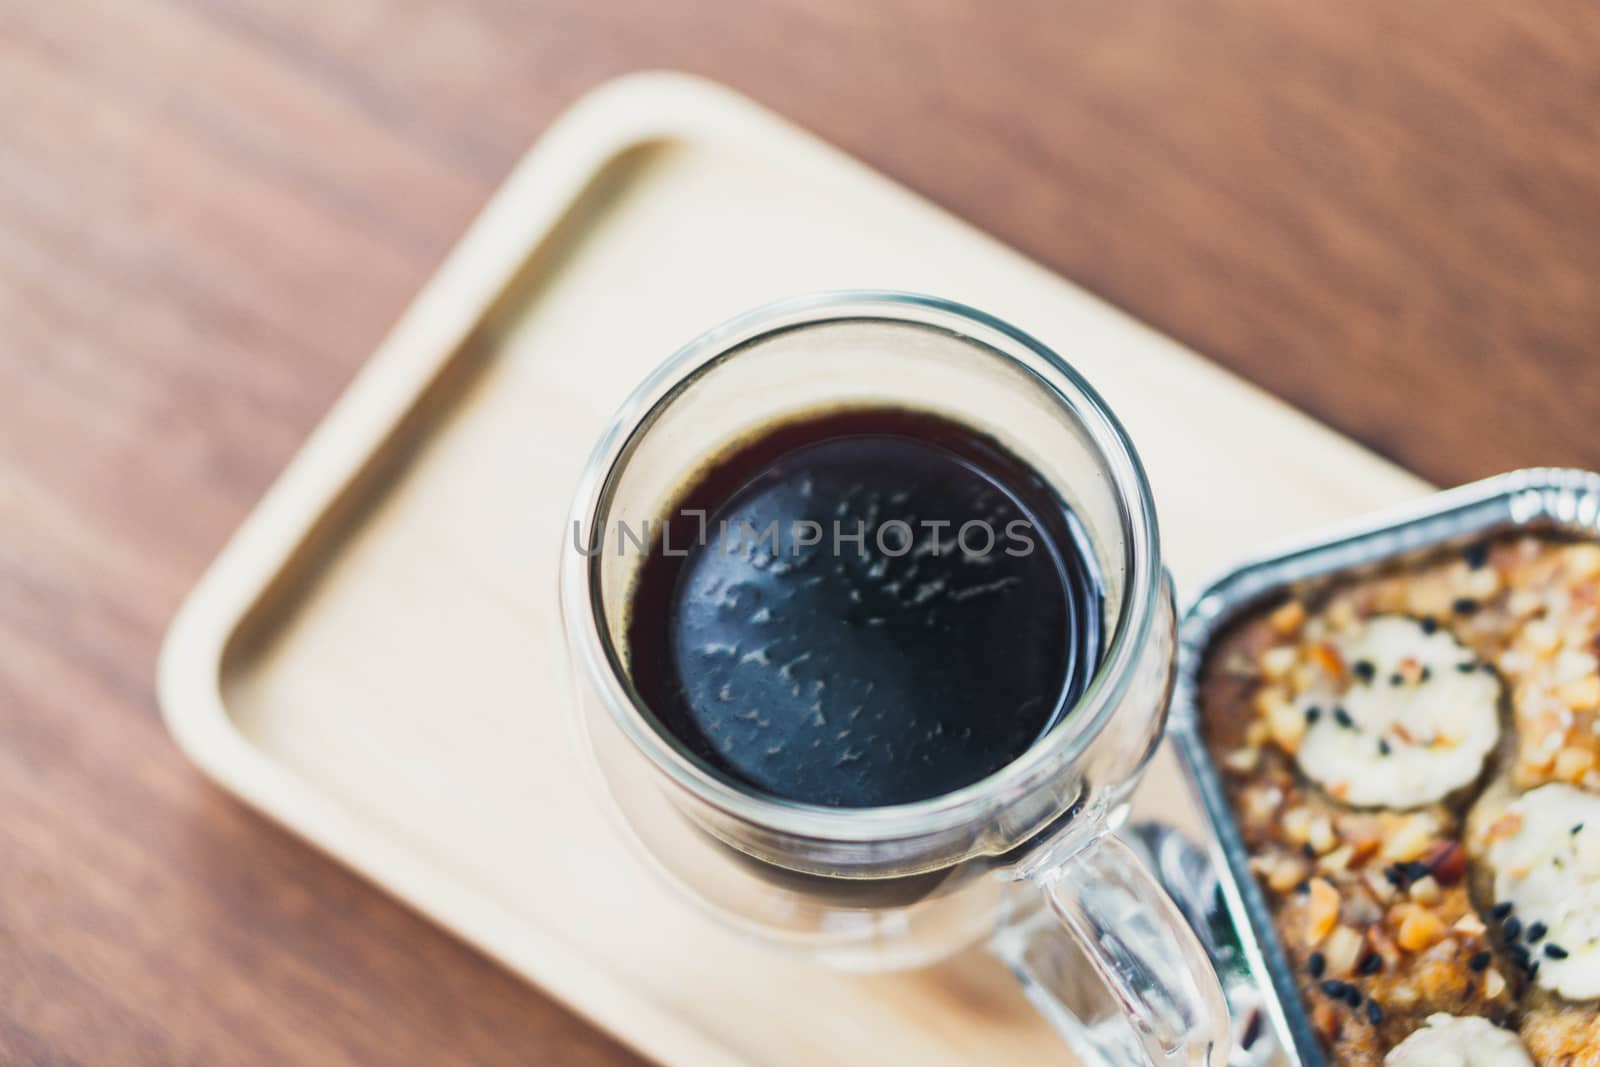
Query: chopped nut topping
x=1242, y=760
x=1581, y=694
x=1327, y=657
x=1297, y=825
x=1493, y=983
x=1419, y=929
x=1322, y=910
x=1288, y=618
x=1447, y=860
x=1277, y=662
x=1410, y=839
x=1285, y=873
x=1319, y=835
x=1573, y=763
x=1425, y=891
x=1337, y=860
x=1342, y=950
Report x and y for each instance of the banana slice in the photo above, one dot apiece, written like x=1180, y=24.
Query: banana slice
x=1545, y=853
x=1459, y=1041
x=1414, y=722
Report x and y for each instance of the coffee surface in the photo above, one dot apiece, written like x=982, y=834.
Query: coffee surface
x=879, y=607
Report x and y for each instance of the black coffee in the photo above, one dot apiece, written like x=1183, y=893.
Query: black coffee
x=880, y=607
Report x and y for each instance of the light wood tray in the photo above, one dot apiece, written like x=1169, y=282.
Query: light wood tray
x=376, y=659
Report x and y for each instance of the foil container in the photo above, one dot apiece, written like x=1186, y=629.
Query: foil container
x=1225, y=901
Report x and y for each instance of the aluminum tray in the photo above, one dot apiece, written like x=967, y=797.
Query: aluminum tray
x=1542, y=499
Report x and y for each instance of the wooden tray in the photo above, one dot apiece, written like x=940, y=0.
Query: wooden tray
x=376, y=658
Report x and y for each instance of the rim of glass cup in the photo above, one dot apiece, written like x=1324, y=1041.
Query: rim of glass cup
x=602, y=666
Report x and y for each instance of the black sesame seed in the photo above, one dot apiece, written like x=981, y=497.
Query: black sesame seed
x=1555, y=951
x=1513, y=928
x=1468, y=667
x=1533, y=969
x=1429, y=624
x=1536, y=931
x=1364, y=670
x=1519, y=954
x=1313, y=713
x=1465, y=606
x=1334, y=988
x=1578, y=827
x=1374, y=1013
x=1476, y=555
x=1416, y=870
x=1396, y=679
x=1352, y=997
x=1307, y=851
x=1251, y=1032
x=1343, y=718
x=1371, y=965
x=1383, y=747
x=1480, y=961
x=1427, y=672
x=1303, y=886
x=1394, y=876
x=1501, y=910
x=1316, y=964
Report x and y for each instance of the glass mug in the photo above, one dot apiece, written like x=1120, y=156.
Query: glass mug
x=1024, y=858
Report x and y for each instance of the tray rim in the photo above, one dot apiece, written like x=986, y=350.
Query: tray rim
x=1529, y=498
x=620, y=115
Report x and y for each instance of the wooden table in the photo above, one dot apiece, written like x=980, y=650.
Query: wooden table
x=1388, y=213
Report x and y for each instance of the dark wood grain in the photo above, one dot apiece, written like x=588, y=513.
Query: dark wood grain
x=211, y=210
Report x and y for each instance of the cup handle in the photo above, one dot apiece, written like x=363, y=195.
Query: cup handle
x=1152, y=998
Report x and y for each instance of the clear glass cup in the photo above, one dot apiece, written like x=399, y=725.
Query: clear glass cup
x=1023, y=859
